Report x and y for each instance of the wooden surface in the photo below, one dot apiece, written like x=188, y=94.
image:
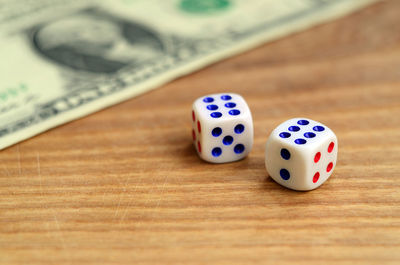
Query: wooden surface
x=124, y=186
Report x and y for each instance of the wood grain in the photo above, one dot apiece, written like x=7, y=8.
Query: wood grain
x=124, y=185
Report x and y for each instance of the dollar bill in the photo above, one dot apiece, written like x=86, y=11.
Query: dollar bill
x=61, y=60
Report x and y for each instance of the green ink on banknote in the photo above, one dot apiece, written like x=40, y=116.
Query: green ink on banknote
x=12, y=92
x=204, y=6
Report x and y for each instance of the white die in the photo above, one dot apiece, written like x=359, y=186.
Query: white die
x=222, y=128
x=301, y=154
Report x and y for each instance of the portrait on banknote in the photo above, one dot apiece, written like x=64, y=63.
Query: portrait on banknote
x=96, y=42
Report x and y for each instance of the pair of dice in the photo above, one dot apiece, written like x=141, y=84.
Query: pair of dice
x=300, y=153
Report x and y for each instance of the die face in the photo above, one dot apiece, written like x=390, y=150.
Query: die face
x=221, y=107
x=222, y=143
x=286, y=165
x=321, y=161
x=302, y=133
x=303, y=149
x=222, y=138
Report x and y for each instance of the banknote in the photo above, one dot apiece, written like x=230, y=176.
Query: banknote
x=61, y=60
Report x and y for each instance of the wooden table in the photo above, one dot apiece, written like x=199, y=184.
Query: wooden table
x=125, y=186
